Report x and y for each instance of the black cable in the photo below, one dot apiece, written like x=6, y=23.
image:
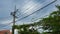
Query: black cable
x=11, y=22
x=3, y=25
x=36, y=11
x=26, y=10
x=8, y=23
x=32, y=13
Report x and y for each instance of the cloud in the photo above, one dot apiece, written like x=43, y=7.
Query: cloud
x=5, y=24
x=7, y=6
x=29, y=7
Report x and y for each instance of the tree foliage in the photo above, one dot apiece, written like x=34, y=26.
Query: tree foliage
x=52, y=22
x=24, y=29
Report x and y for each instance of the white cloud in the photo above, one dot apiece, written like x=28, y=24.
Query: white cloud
x=6, y=21
x=30, y=7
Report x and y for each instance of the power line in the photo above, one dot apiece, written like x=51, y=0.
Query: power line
x=34, y=12
x=5, y=25
x=24, y=13
x=9, y=16
x=34, y=20
x=11, y=22
x=21, y=15
x=27, y=9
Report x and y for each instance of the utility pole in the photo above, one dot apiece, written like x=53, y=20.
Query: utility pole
x=14, y=16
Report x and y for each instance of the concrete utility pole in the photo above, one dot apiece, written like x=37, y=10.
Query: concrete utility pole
x=14, y=16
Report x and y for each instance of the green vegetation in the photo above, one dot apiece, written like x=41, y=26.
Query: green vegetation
x=51, y=23
x=24, y=29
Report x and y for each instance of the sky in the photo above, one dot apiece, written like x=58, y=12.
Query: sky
x=25, y=7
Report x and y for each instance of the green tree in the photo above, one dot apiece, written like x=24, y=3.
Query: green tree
x=24, y=29
x=52, y=22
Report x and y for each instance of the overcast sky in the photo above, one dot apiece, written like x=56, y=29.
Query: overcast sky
x=25, y=7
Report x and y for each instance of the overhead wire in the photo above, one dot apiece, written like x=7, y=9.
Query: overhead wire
x=27, y=9
x=9, y=16
x=11, y=22
x=36, y=11
x=20, y=15
x=32, y=13
x=3, y=25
